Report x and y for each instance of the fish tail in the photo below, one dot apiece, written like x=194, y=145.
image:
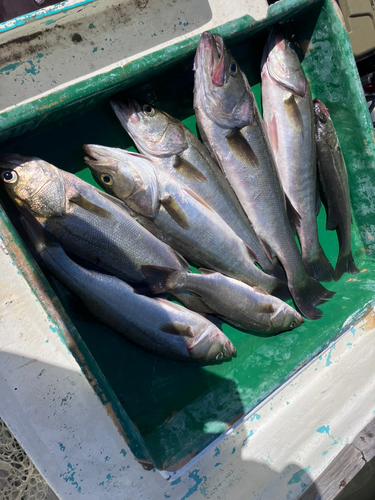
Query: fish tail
x=160, y=279
x=280, y=290
x=276, y=270
x=308, y=295
x=320, y=268
x=345, y=264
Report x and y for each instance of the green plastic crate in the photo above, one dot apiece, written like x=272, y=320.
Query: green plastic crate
x=170, y=412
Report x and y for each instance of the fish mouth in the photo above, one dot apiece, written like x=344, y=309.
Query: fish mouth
x=126, y=110
x=211, y=49
x=320, y=106
x=98, y=158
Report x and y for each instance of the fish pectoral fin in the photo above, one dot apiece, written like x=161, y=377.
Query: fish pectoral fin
x=136, y=201
x=188, y=170
x=198, y=198
x=176, y=328
x=294, y=216
x=241, y=149
x=79, y=200
x=175, y=210
x=293, y=114
x=331, y=223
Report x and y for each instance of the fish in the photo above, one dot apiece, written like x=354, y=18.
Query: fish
x=289, y=123
x=156, y=325
x=335, y=186
x=231, y=126
x=87, y=222
x=181, y=218
x=246, y=307
x=169, y=143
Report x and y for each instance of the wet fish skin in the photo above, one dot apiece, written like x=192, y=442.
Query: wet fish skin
x=234, y=130
x=183, y=220
x=289, y=123
x=156, y=325
x=335, y=185
x=244, y=306
x=169, y=143
x=89, y=223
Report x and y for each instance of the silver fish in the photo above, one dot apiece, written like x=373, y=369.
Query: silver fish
x=289, y=123
x=170, y=144
x=182, y=219
x=229, y=121
x=244, y=306
x=87, y=222
x=156, y=325
x=335, y=185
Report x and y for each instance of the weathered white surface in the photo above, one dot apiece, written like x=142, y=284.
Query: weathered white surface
x=275, y=454
x=74, y=43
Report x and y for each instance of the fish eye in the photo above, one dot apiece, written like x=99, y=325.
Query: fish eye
x=233, y=68
x=291, y=46
x=106, y=179
x=219, y=356
x=149, y=110
x=10, y=177
x=292, y=324
x=322, y=118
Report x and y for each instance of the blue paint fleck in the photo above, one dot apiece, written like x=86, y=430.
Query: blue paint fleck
x=296, y=478
x=95, y=49
x=62, y=447
x=233, y=451
x=349, y=345
x=91, y=26
x=167, y=496
x=47, y=341
x=334, y=442
x=353, y=331
x=287, y=402
x=218, y=463
x=50, y=21
x=101, y=484
x=106, y=459
x=41, y=373
x=217, y=452
x=123, y=452
x=9, y=68
x=68, y=476
x=53, y=328
x=255, y=416
x=322, y=429
x=324, y=453
x=251, y=433
x=140, y=477
x=193, y=489
x=176, y=481
x=32, y=70
x=329, y=362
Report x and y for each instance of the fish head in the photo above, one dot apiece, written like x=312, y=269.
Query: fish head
x=154, y=132
x=324, y=128
x=33, y=184
x=286, y=318
x=211, y=345
x=281, y=62
x=221, y=90
x=128, y=176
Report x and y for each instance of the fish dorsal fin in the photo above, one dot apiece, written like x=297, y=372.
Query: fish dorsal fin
x=266, y=249
x=188, y=171
x=241, y=149
x=251, y=253
x=206, y=271
x=258, y=289
x=293, y=114
x=175, y=210
x=176, y=328
x=200, y=200
x=294, y=216
x=79, y=200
